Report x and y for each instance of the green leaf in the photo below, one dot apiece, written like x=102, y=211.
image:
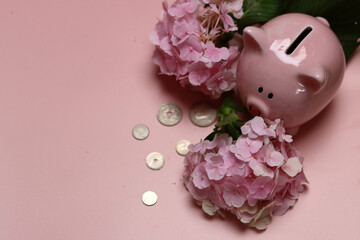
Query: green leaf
x=223, y=39
x=211, y=136
x=344, y=19
x=311, y=7
x=258, y=11
x=233, y=131
x=343, y=16
x=229, y=120
x=348, y=34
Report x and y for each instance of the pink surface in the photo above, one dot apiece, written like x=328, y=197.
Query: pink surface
x=75, y=77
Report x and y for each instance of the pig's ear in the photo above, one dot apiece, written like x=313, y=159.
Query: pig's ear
x=323, y=20
x=254, y=39
x=313, y=82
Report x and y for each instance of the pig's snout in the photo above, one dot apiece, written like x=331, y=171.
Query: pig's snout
x=254, y=110
x=257, y=107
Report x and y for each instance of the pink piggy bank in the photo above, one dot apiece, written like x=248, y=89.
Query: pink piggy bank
x=290, y=68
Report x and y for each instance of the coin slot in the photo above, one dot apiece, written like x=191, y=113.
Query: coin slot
x=298, y=40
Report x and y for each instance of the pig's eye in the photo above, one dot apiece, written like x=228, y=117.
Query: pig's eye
x=260, y=89
x=270, y=95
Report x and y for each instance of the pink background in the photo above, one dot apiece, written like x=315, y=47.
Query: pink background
x=75, y=77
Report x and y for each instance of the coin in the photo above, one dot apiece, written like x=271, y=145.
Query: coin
x=149, y=198
x=169, y=114
x=155, y=160
x=182, y=147
x=202, y=114
x=140, y=132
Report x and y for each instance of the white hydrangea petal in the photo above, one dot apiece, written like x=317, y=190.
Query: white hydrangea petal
x=287, y=138
x=263, y=218
x=245, y=220
x=276, y=159
x=154, y=38
x=249, y=209
x=260, y=169
x=208, y=208
x=262, y=223
x=247, y=213
x=292, y=166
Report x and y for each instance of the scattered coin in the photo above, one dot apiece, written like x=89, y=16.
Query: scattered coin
x=149, y=198
x=202, y=114
x=169, y=114
x=182, y=147
x=140, y=132
x=155, y=160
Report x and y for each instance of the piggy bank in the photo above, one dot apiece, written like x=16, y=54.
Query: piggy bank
x=290, y=68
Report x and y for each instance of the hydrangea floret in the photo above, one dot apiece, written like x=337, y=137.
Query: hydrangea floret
x=186, y=43
x=256, y=177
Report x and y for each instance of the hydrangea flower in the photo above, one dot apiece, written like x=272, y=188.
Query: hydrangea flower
x=256, y=177
x=186, y=44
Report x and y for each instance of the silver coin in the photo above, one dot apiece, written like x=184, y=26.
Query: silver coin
x=182, y=147
x=155, y=160
x=169, y=114
x=140, y=132
x=202, y=114
x=149, y=198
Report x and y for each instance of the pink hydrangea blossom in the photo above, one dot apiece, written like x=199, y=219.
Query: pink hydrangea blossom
x=201, y=179
x=191, y=49
x=257, y=127
x=185, y=42
x=228, y=22
x=272, y=157
x=245, y=147
x=202, y=146
x=214, y=54
x=260, y=169
x=180, y=8
x=261, y=187
x=277, y=125
x=233, y=6
x=216, y=167
x=199, y=74
x=235, y=191
x=256, y=177
x=197, y=193
x=222, y=140
x=220, y=82
x=292, y=166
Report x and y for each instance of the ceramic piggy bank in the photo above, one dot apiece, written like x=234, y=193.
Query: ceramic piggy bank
x=290, y=68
